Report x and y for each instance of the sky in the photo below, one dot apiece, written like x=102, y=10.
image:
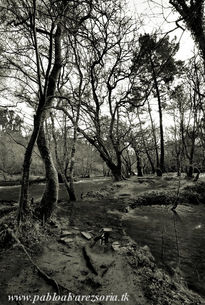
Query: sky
x=154, y=17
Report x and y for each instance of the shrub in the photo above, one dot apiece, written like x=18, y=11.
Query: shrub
x=155, y=198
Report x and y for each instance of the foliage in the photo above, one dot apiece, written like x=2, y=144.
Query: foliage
x=194, y=193
x=155, y=198
x=12, y=148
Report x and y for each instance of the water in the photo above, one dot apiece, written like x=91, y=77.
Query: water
x=175, y=239
x=36, y=190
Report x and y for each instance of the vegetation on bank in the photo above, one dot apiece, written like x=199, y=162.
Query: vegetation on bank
x=191, y=194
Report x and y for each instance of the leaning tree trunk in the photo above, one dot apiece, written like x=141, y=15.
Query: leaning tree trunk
x=150, y=161
x=24, y=206
x=116, y=170
x=72, y=157
x=38, y=132
x=70, y=191
x=50, y=196
x=117, y=173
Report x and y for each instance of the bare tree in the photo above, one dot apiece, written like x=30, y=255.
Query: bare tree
x=34, y=31
x=105, y=47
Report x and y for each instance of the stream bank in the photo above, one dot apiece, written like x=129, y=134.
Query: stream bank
x=121, y=265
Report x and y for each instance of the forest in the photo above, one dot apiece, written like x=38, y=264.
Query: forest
x=102, y=152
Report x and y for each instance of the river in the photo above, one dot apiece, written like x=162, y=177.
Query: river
x=36, y=190
x=175, y=239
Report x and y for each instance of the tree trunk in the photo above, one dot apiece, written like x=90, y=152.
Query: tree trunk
x=154, y=137
x=70, y=191
x=127, y=168
x=145, y=146
x=159, y=172
x=150, y=161
x=191, y=157
x=50, y=196
x=178, y=164
x=73, y=150
x=117, y=173
x=116, y=170
x=161, y=163
x=139, y=167
x=24, y=206
x=190, y=171
x=72, y=162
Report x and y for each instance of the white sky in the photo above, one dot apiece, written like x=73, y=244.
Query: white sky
x=153, y=18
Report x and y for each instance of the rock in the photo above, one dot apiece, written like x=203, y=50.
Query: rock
x=76, y=228
x=107, y=229
x=106, y=234
x=66, y=240
x=116, y=246
x=65, y=233
x=146, y=248
x=127, y=209
x=87, y=235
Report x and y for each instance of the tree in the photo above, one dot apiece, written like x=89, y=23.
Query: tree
x=156, y=55
x=35, y=56
x=105, y=48
x=186, y=107
x=178, y=109
x=146, y=135
x=192, y=13
x=61, y=170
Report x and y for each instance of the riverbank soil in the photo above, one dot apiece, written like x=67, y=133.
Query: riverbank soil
x=93, y=256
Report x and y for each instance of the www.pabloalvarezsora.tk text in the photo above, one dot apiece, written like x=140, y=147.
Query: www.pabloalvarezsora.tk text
x=54, y=297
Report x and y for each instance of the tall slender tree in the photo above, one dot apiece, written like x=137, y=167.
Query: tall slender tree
x=157, y=57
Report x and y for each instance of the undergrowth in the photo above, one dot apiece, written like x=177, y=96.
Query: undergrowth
x=192, y=194
x=30, y=233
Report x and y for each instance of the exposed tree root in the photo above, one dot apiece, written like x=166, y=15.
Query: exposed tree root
x=48, y=279
x=58, y=287
x=88, y=261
